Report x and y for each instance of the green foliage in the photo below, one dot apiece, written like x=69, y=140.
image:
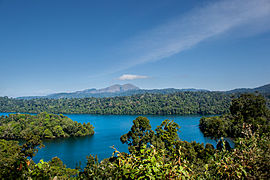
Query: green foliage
x=249, y=106
x=52, y=169
x=215, y=127
x=18, y=126
x=15, y=160
x=9, y=158
x=247, y=109
x=48, y=134
x=248, y=160
x=139, y=135
x=167, y=133
x=253, y=151
x=151, y=163
x=147, y=103
x=147, y=163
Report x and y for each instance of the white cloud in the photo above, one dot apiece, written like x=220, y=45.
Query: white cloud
x=194, y=27
x=131, y=77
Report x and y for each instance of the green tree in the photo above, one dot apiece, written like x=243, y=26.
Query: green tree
x=249, y=106
x=15, y=160
x=58, y=131
x=247, y=109
x=48, y=134
x=167, y=132
x=139, y=135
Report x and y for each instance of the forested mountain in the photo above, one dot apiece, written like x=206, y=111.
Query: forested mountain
x=129, y=90
x=262, y=89
x=129, y=99
x=113, y=90
x=181, y=103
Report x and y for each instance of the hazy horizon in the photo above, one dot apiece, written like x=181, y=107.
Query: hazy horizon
x=134, y=85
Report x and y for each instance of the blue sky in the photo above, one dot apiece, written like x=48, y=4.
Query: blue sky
x=67, y=45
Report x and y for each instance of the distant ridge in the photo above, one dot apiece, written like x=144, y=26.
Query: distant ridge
x=265, y=89
x=104, y=92
x=130, y=89
x=111, y=91
x=91, y=92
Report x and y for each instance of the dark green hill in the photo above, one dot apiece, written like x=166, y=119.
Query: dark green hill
x=181, y=103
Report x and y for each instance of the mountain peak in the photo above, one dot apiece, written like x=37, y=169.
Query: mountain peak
x=118, y=88
x=130, y=89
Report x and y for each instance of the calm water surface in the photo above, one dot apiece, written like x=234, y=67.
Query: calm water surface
x=108, y=130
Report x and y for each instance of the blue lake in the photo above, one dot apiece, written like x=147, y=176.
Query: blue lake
x=108, y=130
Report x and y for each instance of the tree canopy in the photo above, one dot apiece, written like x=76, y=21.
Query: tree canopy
x=45, y=125
x=158, y=104
x=248, y=109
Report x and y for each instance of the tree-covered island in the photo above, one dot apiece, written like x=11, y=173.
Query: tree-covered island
x=44, y=125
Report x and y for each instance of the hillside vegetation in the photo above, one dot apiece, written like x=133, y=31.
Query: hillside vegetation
x=181, y=103
x=247, y=110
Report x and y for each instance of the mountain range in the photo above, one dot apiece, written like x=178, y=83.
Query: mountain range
x=261, y=89
x=130, y=89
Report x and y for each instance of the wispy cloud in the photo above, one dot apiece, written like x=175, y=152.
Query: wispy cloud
x=131, y=77
x=192, y=28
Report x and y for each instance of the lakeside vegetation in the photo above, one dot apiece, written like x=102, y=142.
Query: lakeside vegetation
x=180, y=103
x=44, y=125
x=160, y=154
x=247, y=110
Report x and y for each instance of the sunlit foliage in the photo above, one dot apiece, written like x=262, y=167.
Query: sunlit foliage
x=159, y=104
x=17, y=126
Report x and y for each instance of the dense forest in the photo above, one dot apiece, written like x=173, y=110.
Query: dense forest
x=247, y=110
x=160, y=154
x=44, y=125
x=181, y=103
